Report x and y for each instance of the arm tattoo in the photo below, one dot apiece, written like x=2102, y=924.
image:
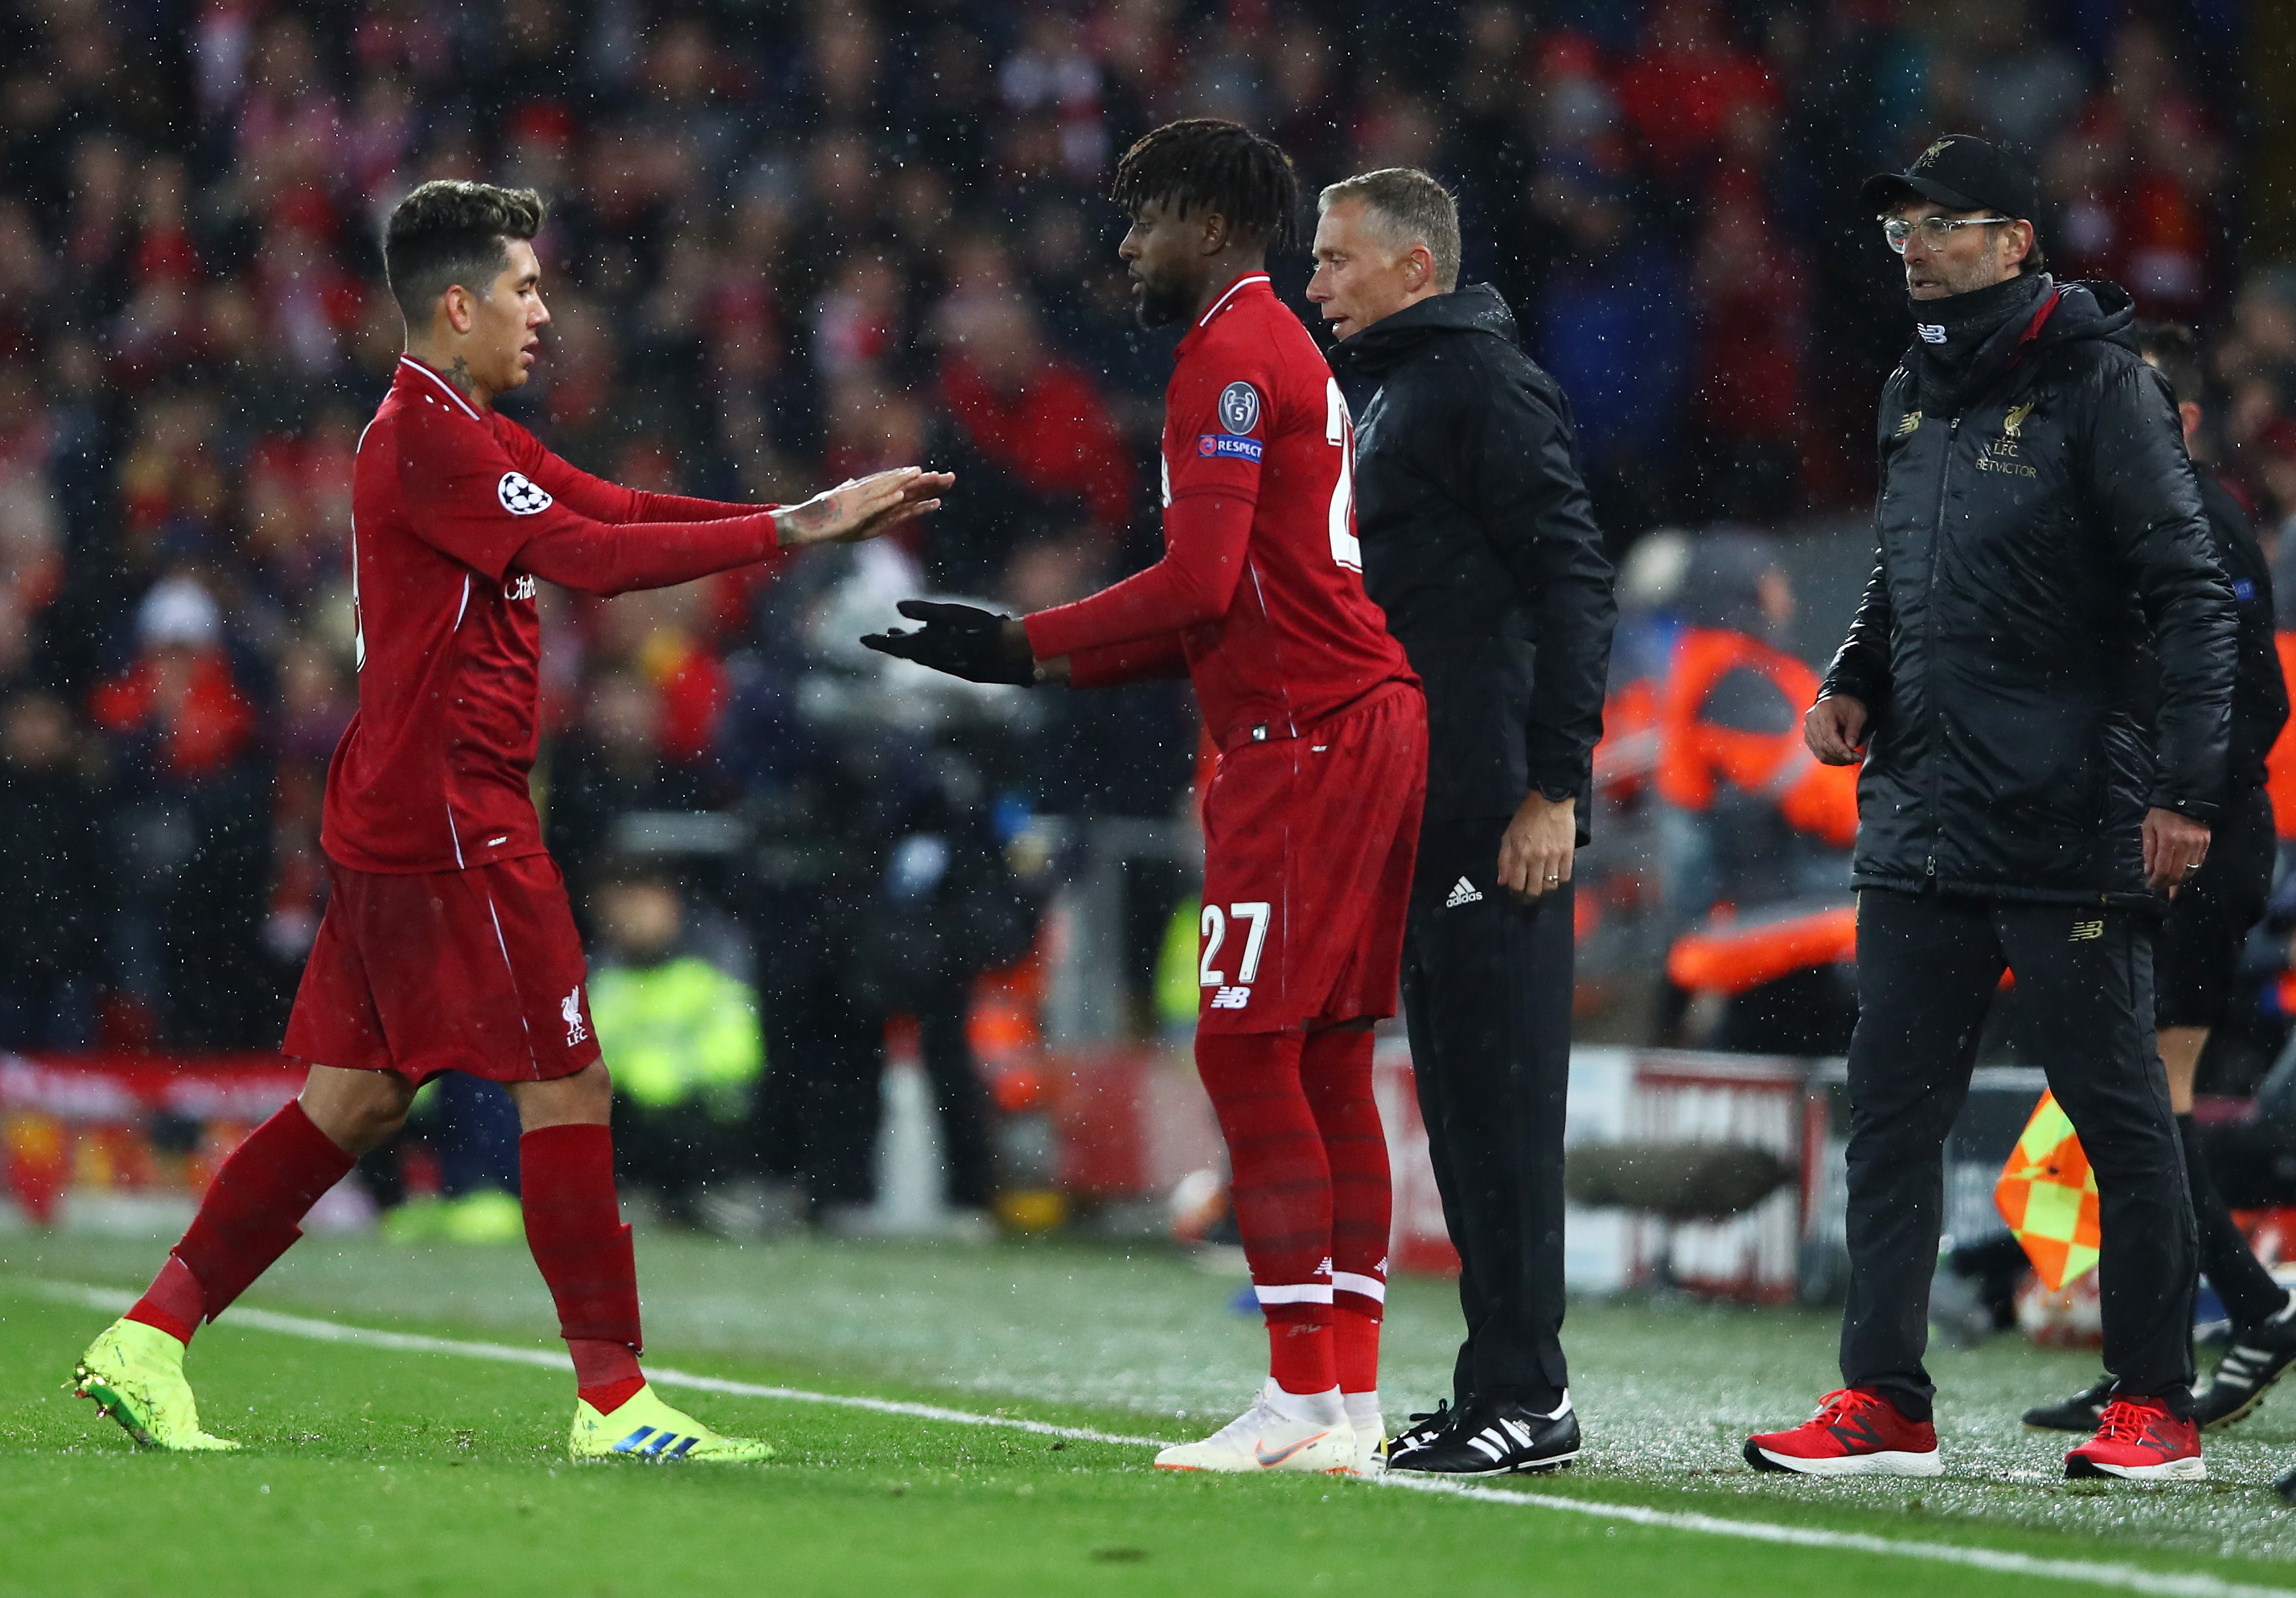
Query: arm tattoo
x=801, y=519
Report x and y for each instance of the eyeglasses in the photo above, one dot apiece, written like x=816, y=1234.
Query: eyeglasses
x=1936, y=232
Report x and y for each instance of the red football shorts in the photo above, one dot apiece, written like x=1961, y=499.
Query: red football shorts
x=1308, y=852
x=477, y=970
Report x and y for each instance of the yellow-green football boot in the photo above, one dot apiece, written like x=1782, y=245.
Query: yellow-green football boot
x=135, y=1373
x=645, y=1428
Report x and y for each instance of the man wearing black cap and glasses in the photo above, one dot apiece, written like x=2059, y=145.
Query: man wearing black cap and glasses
x=2039, y=677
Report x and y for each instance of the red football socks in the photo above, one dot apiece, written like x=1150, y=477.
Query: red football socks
x=249, y=1217
x=1355, y=1350
x=1335, y=1073
x=173, y=1302
x=1300, y=1354
x=1281, y=1185
x=574, y=1227
x=606, y=1376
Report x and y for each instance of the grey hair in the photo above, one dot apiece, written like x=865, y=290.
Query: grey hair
x=1408, y=208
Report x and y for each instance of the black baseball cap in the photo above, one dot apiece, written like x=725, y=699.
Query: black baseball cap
x=1962, y=173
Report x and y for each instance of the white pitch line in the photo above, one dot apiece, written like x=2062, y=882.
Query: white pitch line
x=2131, y=1578
x=407, y=1342
x=2127, y=1577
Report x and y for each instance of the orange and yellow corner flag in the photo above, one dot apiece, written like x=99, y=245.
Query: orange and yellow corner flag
x=2048, y=1194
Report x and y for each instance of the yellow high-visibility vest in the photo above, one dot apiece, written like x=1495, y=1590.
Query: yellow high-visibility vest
x=673, y=1031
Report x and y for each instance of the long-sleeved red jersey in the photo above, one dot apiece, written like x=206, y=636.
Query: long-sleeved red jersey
x=1260, y=589
x=456, y=512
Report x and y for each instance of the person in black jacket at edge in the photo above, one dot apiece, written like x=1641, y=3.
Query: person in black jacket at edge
x=1478, y=543
x=2043, y=665
x=2199, y=941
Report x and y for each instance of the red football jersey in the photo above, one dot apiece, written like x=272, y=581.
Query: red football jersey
x=1261, y=579
x=455, y=512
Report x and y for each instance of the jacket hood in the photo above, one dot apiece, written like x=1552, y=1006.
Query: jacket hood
x=1386, y=344
x=2089, y=310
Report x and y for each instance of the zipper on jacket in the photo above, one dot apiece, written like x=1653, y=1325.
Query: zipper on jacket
x=1929, y=639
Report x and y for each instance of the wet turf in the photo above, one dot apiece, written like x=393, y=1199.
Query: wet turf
x=407, y=1473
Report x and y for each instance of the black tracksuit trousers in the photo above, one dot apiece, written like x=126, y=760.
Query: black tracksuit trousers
x=1927, y=968
x=1487, y=997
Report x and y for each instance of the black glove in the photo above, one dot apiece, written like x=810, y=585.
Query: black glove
x=960, y=640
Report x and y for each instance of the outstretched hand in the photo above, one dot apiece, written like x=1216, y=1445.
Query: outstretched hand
x=964, y=641
x=862, y=507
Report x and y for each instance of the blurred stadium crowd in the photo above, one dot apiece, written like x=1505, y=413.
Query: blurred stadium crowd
x=794, y=239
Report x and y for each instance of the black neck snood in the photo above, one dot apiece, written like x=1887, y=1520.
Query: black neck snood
x=1950, y=332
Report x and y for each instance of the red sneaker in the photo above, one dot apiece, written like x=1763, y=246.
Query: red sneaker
x=2138, y=1440
x=1853, y=1433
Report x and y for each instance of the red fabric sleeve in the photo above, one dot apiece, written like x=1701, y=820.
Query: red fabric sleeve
x=462, y=493
x=1206, y=536
x=594, y=557
x=468, y=497
x=601, y=501
x=1142, y=660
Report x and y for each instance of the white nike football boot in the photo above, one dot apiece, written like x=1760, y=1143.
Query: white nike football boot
x=1282, y=1432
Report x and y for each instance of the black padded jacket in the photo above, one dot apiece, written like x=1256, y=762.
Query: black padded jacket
x=2045, y=647
x=1479, y=545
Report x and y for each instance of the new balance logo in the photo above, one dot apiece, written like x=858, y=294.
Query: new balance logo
x=569, y=1009
x=1231, y=998
x=2082, y=931
x=1463, y=892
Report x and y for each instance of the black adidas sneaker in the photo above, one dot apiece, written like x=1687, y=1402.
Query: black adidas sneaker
x=1425, y=1429
x=2260, y=1355
x=2081, y=1412
x=1497, y=1436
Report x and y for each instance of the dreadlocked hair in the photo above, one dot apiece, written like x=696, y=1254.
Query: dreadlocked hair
x=1218, y=166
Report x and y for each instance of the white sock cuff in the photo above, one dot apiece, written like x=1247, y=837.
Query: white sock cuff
x=1315, y=1409
x=1297, y=1292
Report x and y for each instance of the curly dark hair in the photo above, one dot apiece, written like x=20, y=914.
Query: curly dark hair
x=2175, y=351
x=449, y=232
x=1219, y=166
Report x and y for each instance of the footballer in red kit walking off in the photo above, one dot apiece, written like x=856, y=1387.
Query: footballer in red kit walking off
x=1311, y=820
x=447, y=942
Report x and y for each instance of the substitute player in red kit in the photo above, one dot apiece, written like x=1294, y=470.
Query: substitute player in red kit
x=1310, y=823
x=447, y=944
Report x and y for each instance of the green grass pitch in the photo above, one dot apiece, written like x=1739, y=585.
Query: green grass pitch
x=373, y=1471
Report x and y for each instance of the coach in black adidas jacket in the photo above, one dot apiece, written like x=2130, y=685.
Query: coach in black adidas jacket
x=2033, y=780
x=1478, y=543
